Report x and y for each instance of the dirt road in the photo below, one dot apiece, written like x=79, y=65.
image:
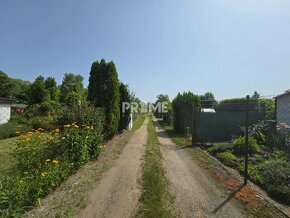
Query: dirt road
x=196, y=193
x=118, y=192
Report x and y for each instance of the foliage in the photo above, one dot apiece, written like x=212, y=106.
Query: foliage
x=5, y=85
x=48, y=108
x=276, y=175
x=45, y=159
x=209, y=100
x=228, y=158
x=38, y=92
x=14, y=88
x=239, y=146
x=220, y=147
x=125, y=116
x=155, y=200
x=51, y=86
x=72, y=90
x=162, y=98
x=9, y=129
x=103, y=92
x=44, y=122
x=182, y=102
x=256, y=95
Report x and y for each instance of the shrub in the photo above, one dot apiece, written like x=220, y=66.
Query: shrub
x=239, y=146
x=220, y=147
x=44, y=122
x=276, y=175
x=228, y=158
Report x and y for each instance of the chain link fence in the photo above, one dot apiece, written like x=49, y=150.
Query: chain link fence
x=5, y=113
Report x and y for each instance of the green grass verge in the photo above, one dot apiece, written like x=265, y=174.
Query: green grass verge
x=138, y=122
x=6, y=156
x=155, y=200
x=177, y=138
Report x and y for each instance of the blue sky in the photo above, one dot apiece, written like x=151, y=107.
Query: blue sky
x=231, y=48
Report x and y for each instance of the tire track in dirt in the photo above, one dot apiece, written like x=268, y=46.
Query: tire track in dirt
x=196, y=193
x=118, y=192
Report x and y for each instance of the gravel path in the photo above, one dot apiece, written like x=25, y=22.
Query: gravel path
x=118, y=192
x=196, y=193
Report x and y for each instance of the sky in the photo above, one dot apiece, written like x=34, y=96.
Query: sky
x=231, y=48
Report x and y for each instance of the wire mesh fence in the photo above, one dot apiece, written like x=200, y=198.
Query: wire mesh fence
x=5, y=113
x=242, y=135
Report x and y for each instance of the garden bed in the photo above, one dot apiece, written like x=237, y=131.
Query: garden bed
x=268, y=169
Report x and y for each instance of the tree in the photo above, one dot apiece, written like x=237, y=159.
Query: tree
x=51, y=86
x=72, y=89
x=124, y=115
x=103, y=91
x=20, y=89
x=256, y=95
x=5, y=85
x=208, y=100
x=162, y=98
x=38, y=94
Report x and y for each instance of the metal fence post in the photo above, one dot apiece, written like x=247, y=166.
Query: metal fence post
x=247, y=141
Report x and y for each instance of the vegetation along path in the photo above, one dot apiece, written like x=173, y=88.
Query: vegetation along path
x=118, y=193
x=196, y=193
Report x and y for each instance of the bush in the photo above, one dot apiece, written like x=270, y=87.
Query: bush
x=220, y=147
x=276, y=175
x=239, y=146
x=44, y=122
x=228, y=158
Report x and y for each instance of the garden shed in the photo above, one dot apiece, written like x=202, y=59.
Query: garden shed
x=5, y=109
x=283, y=108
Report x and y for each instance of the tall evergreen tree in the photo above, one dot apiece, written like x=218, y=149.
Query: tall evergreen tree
x=103, y=91
x=124, y=115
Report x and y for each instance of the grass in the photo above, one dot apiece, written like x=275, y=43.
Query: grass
x=6, y=156
x=177, y=138
x=138, y=122
x=155, y=200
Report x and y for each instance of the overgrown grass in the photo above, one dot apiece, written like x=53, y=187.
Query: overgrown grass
x=155, y=201
x=9, y=129
x=7, y=159
x=138, y=122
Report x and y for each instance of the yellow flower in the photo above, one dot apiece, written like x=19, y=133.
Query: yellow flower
x=56, y=130
x=92, y=127
x=17, y=133
x=47, y=160
x=43, y=173
x=21, y=181
x=55, y=161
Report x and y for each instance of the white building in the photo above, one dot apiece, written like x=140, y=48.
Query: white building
x=5, y=110
x=283, y=108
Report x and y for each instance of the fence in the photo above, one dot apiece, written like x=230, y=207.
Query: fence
x=231, y=119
